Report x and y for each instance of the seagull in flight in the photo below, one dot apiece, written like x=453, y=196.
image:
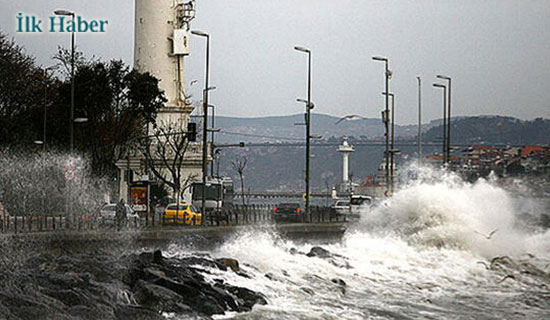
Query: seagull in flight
x=349, y=117
x=488, y=237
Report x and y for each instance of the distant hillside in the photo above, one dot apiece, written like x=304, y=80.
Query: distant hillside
x=280, y=167
x=494, y=130
x=284, y=128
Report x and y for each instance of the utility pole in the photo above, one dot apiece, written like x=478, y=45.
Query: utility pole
x=71, y=120
x=448, y=115
x=212, y=140
x=205, y=118
x=419, y=137
x=309, y=106
x=444, y=120
x=386, y=116
x=392, y=150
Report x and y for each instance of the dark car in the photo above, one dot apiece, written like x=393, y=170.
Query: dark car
x=287, y=212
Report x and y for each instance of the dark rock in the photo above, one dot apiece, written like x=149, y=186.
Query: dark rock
x=271, y=276
x=319, y=252
x=341, y=263
x=36, y=261
x=334, y=259
x=98, y=312
x=339, y=282
x=25, y=306
x=244, y=275
x=134, y=286
x=187, y=291
x=124, y=312
x=307, y=290
x=210, y=306
x=159, y=298
x=62, y=280
x=70, y=297
x=203, y=262
x=199, y=296
x=341, y=285
x=153, y=273
x=5, y=313
x=231, y=263
x=222, y=298
x=157, y=257
x=246, y=297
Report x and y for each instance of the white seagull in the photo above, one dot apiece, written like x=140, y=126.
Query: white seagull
x=350, y=117
x=488, y=237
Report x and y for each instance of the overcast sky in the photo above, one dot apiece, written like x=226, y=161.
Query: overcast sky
x=496, y=51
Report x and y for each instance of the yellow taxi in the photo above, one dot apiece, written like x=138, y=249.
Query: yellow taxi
x=183, y=214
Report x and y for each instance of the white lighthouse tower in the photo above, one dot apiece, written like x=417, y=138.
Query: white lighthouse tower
x=162, y=33
x=161, y=42
x=345, y=149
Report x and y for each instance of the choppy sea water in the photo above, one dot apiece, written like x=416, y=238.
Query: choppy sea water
x=440, y=248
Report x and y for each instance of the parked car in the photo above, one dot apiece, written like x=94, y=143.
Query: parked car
x=287, y=212
x=107, y=215
x=184, y=213
x=360, y=204
x=342, y=207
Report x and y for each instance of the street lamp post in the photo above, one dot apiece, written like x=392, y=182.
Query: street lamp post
x=45, y=107
x=392, y=138
x=386, y=119
x=448, y=116
x=308, y=122
x=71, y=120
x=438, y=85
x=71, y=124
x=217, y=156
x=204, y=120
x=419, y=137
x=212, y=138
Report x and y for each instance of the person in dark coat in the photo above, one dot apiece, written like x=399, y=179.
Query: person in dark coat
x=120, y=214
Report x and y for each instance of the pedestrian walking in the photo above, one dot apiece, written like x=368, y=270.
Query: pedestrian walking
x=120, y=214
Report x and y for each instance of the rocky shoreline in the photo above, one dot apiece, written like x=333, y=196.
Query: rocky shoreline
x=132, y=286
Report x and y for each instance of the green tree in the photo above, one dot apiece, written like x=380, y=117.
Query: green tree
x=119, y=104
x=22, y=89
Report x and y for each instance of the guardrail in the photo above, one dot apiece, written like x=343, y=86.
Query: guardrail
x=238, y=215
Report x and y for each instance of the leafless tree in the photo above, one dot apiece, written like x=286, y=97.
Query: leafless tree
x=239, y=165
x=164, y=152
x=327, y=181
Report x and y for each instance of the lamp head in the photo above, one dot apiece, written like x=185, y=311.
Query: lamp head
x=380, y=59
x=199, y=33
x=63, y=13
x=298, y=48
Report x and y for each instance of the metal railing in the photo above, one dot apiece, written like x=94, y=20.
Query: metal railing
x=238, y=215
